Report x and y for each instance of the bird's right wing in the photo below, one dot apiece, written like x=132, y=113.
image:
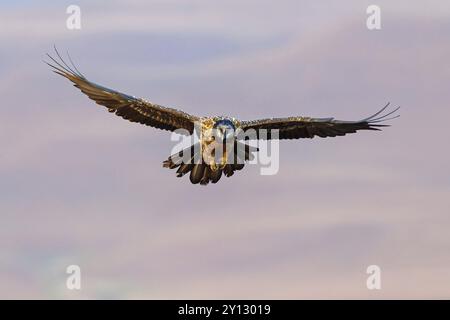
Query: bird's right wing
x=128, y=107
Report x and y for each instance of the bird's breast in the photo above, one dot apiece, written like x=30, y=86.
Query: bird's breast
x=215, y=154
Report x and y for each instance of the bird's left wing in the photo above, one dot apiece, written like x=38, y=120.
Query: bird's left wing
x=305, y=127
x=126, y=106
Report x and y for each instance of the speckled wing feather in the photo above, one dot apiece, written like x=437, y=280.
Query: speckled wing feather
x=305, y=127
x=128, y=107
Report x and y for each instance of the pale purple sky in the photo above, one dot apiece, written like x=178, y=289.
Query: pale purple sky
x=79, y=185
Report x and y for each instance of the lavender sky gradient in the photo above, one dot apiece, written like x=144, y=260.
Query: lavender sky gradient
x=79, y=185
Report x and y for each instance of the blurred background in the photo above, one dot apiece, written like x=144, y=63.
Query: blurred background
x=79, y=185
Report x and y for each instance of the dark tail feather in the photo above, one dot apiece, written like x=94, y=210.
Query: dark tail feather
x=206, y=176
x=215, y=176
x=228, y=170
x=197, y=172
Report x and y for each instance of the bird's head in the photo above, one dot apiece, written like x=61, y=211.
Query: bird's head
x=224, y=130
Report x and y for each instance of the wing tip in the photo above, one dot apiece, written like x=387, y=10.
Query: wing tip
x=61, y=65
x=379, y=117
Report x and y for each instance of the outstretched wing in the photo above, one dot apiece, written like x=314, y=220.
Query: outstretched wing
x=305, y=127
x=128, y=107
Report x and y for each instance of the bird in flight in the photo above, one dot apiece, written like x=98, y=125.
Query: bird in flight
x=221, y=147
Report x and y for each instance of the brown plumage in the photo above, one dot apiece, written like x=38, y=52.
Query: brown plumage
x=200, y=170
x=202, y=173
